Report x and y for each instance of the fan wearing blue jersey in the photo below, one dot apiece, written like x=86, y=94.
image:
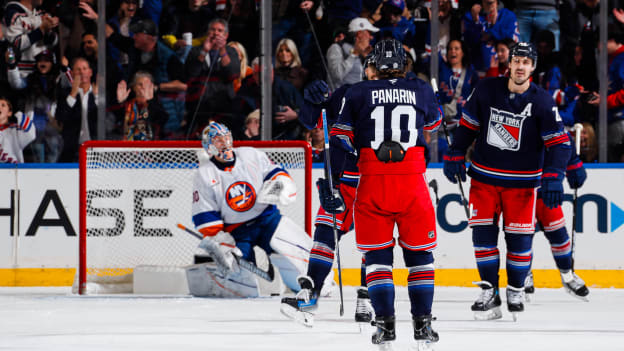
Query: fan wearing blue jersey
x=520, y=144
x=382, y=122
x=235, y=192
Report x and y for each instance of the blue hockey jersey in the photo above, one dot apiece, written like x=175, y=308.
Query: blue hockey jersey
x=344, y=166
x=382, y=110
x=518, y=136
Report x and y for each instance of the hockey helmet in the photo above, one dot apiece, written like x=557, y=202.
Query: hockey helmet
x=524, y=49
x=217, y=141
x=368, y=61
x=389, y=55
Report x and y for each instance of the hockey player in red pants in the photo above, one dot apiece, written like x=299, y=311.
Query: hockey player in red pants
x=382, y=122
x=302, y=307
x=520, y=144
x=553, y=224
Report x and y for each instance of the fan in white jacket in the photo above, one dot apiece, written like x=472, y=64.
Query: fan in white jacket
x=14, y=136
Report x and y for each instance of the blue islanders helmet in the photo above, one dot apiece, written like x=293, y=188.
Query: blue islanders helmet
x=217, y=141
x=524, y=49
x=389, y=55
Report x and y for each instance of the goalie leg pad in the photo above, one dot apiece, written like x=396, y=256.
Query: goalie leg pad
x=207, y=280
x=292, y=246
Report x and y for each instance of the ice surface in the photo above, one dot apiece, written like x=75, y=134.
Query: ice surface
x=53, y=319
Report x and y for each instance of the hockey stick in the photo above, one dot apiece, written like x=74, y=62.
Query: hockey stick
x=434, y=85
x=577, y=147
x=212, y=246
x=433, y=184
x=328, y=175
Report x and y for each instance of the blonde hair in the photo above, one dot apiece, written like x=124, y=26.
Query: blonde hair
x=292, y=47
x=590, y=152
x=243, y=53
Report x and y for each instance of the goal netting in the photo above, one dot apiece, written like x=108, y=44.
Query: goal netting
x=132, y=195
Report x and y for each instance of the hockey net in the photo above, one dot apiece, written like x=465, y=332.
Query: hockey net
x=132, y=195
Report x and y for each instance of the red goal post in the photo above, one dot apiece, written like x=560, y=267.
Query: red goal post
x=123, y=183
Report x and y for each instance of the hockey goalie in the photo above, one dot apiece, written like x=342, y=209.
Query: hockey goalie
x=235, y=193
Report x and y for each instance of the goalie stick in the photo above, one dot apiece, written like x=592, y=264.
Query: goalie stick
x=213, y=246
x=328, y=175
x=434, y=85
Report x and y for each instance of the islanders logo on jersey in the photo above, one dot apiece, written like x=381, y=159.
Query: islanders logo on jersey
x=505, y=129
x=240, y=196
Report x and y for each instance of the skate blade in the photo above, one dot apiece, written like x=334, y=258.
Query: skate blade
x=571, y=292
x=303, y=318
x=421, y=345
x=514, y=316
x=365, y=328
x=385, y=346
x=494, y=313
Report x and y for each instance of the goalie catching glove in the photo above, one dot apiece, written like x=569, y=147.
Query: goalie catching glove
x=225, y=255
x=280, y=189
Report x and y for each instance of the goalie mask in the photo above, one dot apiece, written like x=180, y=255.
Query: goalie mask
x=217, y=141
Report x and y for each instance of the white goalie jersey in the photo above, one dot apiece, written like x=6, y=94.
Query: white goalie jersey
x=224, y=198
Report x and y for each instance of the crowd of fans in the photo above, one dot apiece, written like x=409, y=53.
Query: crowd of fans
x=174, y=65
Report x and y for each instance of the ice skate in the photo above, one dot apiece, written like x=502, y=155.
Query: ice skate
x=488, y=303
x=515, y=296
x=300, y=307
x=529, y=288
x=385, y=333
x=424, y=335
x=574, y=285
x=363, y=309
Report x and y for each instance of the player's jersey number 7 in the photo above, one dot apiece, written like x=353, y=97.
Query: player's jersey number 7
x=397, y=114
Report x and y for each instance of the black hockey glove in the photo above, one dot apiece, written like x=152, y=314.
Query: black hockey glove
x=331, y=203
x=576, y=177
x=552, y=191
x=454, y=166
x=316, y=92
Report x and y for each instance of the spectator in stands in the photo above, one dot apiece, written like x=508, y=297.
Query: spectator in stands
x=547, y=74
x=292, y=23
x=589, y=146
x=120, y=23
x=499, y=64
x=485, y=24
x=345, y=58
x=211, y=70
x=535, y=16
x=77, y=110
x=615, y=99
x=38, y=93
x=16, y=132
x=285, y=105
x=288, y=64
x=245, y=70
x=147, y=53
x=252, y=126
x=76, y=17
x=185, y=18
x=341, y=12
x=316, y=139
x=449, y=27
x=457, y=81
x=583, y=32
x=242, y=20
x=143, y=115
x=30, y=31
x=394, y=25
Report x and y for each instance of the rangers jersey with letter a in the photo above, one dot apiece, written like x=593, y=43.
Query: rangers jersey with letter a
x=227, y=198
x=513, y=131
x=387, y=110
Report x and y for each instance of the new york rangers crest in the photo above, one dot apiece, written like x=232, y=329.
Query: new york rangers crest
x=505, y=129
